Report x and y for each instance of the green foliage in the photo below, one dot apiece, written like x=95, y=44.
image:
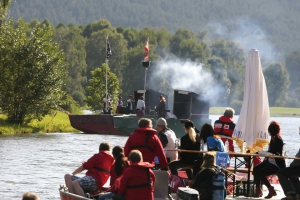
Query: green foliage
x=32, y=72
x=277, y=81
x=55, y=121
x=97, y=88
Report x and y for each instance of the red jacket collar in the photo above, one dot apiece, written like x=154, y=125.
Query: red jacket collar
x=225, y=119
x=141, y=165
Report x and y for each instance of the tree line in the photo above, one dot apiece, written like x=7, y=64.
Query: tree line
x=48, y=66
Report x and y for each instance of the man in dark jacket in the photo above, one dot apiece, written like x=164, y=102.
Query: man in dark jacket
x=289, y=179
x=224, y=126
x=146, y=141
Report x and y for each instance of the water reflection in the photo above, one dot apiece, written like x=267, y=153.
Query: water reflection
x=38, y=162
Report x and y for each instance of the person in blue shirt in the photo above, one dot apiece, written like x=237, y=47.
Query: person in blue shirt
x=211, y=138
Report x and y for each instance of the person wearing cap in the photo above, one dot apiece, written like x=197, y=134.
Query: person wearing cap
x=161, y=108
x=167, y=138
x=119, y=105
x=190, y=161
x=130, y=102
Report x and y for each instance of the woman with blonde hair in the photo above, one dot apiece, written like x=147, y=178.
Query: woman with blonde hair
x=190, y=160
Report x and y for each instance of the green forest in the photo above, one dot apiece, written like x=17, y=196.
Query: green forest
x=188, y=49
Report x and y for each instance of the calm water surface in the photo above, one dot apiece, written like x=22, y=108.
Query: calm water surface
x=38, y=162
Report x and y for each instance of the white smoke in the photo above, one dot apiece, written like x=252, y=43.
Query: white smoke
x=183, y=75
x=248, y=34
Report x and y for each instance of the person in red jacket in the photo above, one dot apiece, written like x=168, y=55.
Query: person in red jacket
x=146, y=141
x=138, y=179
x=98, y=172
x=116, y=172
x=224, y=127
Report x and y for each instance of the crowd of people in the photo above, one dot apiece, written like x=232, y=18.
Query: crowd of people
x=131, y=168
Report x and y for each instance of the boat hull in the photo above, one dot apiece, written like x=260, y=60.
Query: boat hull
x=69, y=196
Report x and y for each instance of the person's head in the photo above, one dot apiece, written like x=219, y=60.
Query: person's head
x=142, y=97
x=161, y=97
x=161, y=124
x=229, y=112
x=30, y=196
x=207, y=130
x=117, y=150
x=145, y=123
x=135, y=156
x=104, y=146
x=130, y=96
x=120, y=160
x=274, y=128
x=189, y=129
x=209, y=158
x=120, y=98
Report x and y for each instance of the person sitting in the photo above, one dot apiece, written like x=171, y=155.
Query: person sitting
x=211, y=138
x=98, y=172
x=189, y=160
x=170, y=115
x=203, y=180
x=116, y=172
x=145, y=140
x=167, y=138
x=289, y=179
x=140, y=107
x=224, y=127
x=30, y=196
x=138, y=179
x=269, y=166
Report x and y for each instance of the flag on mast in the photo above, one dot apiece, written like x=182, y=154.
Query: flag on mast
x=147, y=50
x=108, y=50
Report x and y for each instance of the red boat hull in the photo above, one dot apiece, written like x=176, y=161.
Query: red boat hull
x=100, y=124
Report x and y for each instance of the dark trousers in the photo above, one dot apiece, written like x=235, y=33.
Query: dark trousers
x=289, y=179
x=177, y=164
x=262, y=170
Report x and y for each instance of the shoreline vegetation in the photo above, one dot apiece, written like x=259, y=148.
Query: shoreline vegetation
x=59, y=121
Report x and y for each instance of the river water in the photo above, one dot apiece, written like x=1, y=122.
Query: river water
x=38, y=162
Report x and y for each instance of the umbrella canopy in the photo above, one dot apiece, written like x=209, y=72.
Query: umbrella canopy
x=254, y=119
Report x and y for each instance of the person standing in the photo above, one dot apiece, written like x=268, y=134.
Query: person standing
x=269, y=166
x=289, y=179
x=107, y=100
x=146, y=141
x=119, y=105
x=167, y=138
x=98, y=172
x=140, y=107
x=161, y=108
x=224, y=127
x=130, y=102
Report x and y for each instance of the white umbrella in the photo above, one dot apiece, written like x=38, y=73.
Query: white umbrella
x=254, y=119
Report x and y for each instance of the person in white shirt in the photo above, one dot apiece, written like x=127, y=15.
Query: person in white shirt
x=140, y=108
x=170, y=115
x=167, y=138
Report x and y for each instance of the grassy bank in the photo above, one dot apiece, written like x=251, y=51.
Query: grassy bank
x=274, y=111
x=58, y=122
